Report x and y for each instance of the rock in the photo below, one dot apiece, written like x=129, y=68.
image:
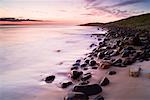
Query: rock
x=92, y=63
x=85, y=68
x=66, y=84
x=76, y=74
x=134, y=71
x=74, y=68
x=105, y=65
x=125, y=53
x=104, y=81
x=129, y=61
x=83, y=65
x=76, y=96
x=115, y=53
x=86, y=76
x=92, y=45
x=112, y=72
x=76, y=65
x=117, y=62
x=99, y=97
x=101, y=55
x=49, y=79
x=136, y=41
x=87, y=61
x=94, y=67
x=78, y=61
x=92, y=89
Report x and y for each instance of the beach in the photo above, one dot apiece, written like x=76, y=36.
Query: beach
x=42, y=51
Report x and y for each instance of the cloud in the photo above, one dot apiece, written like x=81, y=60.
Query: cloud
x=110, y=7
x=125, y=3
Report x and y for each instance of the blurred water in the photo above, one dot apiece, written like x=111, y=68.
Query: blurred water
x=29, y=53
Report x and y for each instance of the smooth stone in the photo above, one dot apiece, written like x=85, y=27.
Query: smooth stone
x=87, y=61
x=49, y=79
x=74, y=68
x=76, y=96
x=92, y=89
x=76, y=65
x=76, y=74
x=65, y=85
x=83, y=65
x=112, y=72
x=92, y=63
x=105, y=81
x=99, y=97
x=78, y=61
x=86, y=76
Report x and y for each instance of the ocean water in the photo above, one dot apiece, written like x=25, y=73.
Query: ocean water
x=29, y=53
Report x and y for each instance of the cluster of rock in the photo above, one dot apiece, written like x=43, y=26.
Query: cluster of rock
x=119, y=48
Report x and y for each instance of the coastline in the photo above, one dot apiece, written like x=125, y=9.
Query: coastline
x=121, y=50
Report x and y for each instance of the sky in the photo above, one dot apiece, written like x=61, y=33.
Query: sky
x=75, y=11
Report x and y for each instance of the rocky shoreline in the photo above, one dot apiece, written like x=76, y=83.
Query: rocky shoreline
x=119, y=47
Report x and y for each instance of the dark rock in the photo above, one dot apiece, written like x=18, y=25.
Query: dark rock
x=83, y=65
x=85, y=68
x=117, y=62
x=76, y=74
x=74, y=68
x=94, y=67
x=76, y=65
x=99, y=97
x=49, y=79
x=87, y=61
x=66, y=84
x=78, y=61
x=92, y=89
x=125, y=53
x=112, y=72
x=86, y=76
x=92, y=63
x=76, y=96
x=129, y=61
x=92, y=45
x=101, y=55
x=104, y=81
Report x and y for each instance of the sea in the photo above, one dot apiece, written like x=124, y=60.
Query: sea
x=29, y=53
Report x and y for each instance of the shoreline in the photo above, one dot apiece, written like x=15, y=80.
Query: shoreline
x=109, y=64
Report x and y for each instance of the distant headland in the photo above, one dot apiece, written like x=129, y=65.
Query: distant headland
x=16, y=19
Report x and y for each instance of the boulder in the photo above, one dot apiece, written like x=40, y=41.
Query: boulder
x=105, y=81
x=76, y=74
x=134, y=71
x=128, y=61
x=74, y=68
x=78, y=61
x=66, y=84
x=112, y=72
x=76, y=96
x=87, y=61
x=92, y=63
x=49, y=79
x=105, y=65
x=117, y=62
x=91, y=89
x=76, y=65
x=86, y=76
x=83, y=65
